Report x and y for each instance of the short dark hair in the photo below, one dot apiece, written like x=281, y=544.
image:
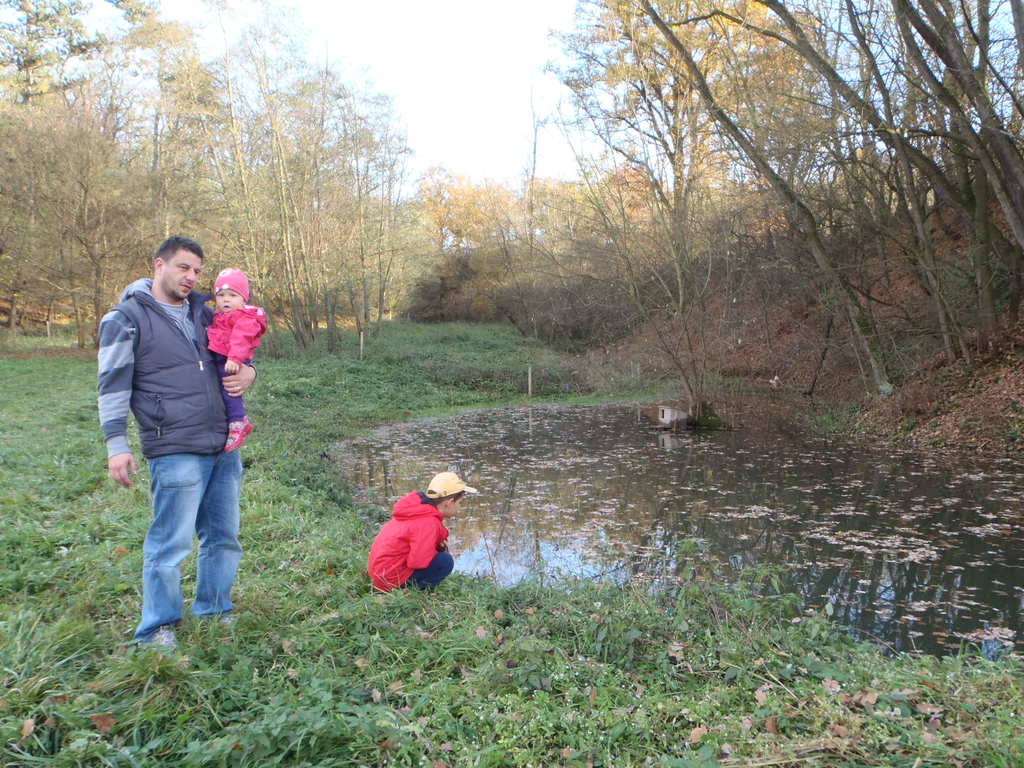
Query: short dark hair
x=434, y=502
x=176, y=243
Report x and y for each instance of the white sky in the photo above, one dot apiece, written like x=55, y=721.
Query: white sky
x=465, y=77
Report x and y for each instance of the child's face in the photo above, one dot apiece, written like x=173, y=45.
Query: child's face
x=228, y=300
x=450, y=507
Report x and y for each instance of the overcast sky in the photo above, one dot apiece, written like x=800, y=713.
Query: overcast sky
x=466, y=77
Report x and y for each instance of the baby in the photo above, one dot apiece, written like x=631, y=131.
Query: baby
x=232, y=337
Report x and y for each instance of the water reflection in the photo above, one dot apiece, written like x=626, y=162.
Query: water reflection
x=910, y=551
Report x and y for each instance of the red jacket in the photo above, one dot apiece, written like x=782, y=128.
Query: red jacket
x=236, y=334
x=407, y=542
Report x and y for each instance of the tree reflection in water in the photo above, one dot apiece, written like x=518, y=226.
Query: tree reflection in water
x=915, y=553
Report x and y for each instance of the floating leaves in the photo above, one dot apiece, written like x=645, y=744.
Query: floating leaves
x=901, y=546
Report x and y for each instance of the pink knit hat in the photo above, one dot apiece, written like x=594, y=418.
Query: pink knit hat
x=232, y=279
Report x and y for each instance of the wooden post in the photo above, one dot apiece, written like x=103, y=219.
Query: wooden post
x=361, y=335
x=529, y=381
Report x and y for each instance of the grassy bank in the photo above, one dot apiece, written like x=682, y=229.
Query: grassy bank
x=319, y=671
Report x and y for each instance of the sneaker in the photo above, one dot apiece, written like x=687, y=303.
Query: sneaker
x=227, y=618
x=237, y=432
x=163, y=638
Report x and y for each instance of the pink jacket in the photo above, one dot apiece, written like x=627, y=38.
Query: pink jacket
x=236, y=334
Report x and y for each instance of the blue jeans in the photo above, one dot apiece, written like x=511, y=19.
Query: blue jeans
x=191, y=492
x=428, y=578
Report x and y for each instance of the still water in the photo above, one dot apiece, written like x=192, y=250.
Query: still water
x=912, y=551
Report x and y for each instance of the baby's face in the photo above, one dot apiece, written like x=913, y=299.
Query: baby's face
x=228, y=300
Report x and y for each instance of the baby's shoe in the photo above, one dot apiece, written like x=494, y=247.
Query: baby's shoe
x=237, y=432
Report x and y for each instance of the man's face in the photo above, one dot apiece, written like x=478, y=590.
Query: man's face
x=174, y=279
x=228, y=300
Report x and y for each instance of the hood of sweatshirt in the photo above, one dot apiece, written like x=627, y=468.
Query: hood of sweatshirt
x=412, y=506
x=144, y=287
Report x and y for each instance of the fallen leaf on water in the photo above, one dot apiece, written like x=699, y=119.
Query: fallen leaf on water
x=697, y=734
x=103, y=723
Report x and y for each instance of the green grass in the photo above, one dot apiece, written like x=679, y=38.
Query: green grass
x=320, y=671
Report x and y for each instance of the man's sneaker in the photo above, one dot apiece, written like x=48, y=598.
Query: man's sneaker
x=237, y=432
x=162, y=639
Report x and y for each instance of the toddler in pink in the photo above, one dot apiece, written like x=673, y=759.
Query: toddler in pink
x=234, y=334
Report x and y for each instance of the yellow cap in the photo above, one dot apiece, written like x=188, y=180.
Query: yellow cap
x=447, y=484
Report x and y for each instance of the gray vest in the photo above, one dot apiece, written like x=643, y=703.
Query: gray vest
x=176, y=390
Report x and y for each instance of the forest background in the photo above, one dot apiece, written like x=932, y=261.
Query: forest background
x=824, y=200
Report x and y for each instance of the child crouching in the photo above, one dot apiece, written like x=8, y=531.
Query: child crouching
x=412, y=546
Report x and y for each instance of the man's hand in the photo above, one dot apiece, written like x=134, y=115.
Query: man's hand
x=237, y=383
x=121, y=467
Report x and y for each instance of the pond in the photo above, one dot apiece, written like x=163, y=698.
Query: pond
x=913, y=551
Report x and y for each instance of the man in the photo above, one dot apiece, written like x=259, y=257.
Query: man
x=153, y=360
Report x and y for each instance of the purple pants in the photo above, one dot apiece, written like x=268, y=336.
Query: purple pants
x=234, y=405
